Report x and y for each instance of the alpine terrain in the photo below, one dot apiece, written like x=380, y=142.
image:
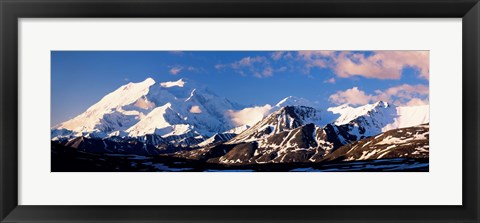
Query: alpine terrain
x=183, y=126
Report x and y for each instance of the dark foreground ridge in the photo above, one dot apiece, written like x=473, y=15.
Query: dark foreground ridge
x=68, y=159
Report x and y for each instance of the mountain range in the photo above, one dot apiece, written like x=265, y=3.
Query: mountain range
x=185, y=119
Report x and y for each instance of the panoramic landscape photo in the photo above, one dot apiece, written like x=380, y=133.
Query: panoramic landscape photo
x=240, y=111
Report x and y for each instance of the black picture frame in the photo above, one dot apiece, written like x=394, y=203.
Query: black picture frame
x=12, y=10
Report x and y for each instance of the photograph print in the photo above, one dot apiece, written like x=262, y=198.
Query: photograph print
x=240, y=111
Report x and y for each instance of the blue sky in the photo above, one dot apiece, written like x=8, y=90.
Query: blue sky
x=329, y=78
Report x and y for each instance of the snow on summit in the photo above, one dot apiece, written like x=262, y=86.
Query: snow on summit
x=291, y=101
x=111, y=112
x=156, y=120
x=183, y=108
x=348, y=113
x=410, y=116
x=168, y=108
x=179, y=83
x=381, y=115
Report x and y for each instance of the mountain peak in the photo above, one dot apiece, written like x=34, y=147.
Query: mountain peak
x=339, y=108
x=179, y=83
x=297, y=111
x=142, y=84
x=381, y=104
x=292, y=101
x=149, y=81
x=348, y=113
x=285, y=119
x=289, y=98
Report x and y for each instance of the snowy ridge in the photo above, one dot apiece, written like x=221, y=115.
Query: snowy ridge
x=295, y=133
x=179, y=83
x=223, y=137
x=238, y=130
x=295, y=101
x=348, y=114
x=409, y=116
x=306, y=143
x=166, y=109
x=372, y=119
x=160, y=121
x=392, y=116
x=217, y=138
x=287, y=118
x=108, y=114
x=412, y=142
x=184, y=114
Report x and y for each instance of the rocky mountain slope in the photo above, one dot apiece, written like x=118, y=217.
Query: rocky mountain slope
x=411, y=142
x=186, y=120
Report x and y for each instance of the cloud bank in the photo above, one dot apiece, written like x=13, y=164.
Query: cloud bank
x=344, y=64
x=404, y=94
x=248, y=116
x=258, y=66
x=377, y=64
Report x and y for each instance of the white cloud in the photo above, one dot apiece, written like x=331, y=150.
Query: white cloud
x=282, y=69
x=180, y=68
x=376, y=64
x=352, y=96
x=404, y=94
x=249, y=116
x=195, y=109
x=316, y=58
x=267, y=72
x=330, y=81
x=258, y=66
x=277, y=55
x=248, y=62
x=281, y=55
x=381, y=64
x=175, y=70
x=417, y=101
x=220, y=66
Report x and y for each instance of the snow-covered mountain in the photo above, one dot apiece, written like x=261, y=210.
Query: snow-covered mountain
x=349, y=123
x=287, y=118
x=292, y=101
x=290, y=134
x=409, y=116
x=372, y=119
x=188, y=120
x=348, y=113
x=411, y=142
x=239, y=129
x=295, y=134
x=270, y=140
x=116, y=111
x=166, y=109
